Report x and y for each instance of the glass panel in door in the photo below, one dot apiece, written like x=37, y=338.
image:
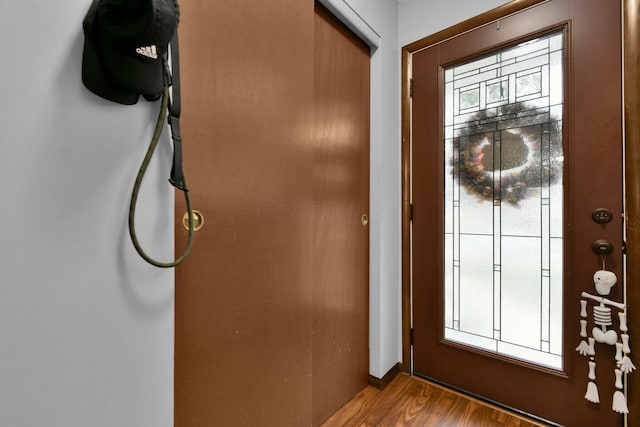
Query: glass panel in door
x=503, y=207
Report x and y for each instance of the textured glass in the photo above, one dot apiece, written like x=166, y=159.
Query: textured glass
x=504, y=202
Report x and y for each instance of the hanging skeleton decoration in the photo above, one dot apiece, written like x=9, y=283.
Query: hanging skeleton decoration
x=604, y=333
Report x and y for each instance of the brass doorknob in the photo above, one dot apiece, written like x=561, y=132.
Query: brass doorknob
x=364, y=220
x=198, y=220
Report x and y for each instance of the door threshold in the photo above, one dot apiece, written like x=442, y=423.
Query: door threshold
x=484, y=400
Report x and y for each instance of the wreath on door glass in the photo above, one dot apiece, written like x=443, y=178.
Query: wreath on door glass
x=500, y=155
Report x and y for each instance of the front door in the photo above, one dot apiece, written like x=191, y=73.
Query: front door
x=516, y=141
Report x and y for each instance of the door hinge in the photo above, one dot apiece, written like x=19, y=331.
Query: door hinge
x=410, y=213
x=411, y=336
x=411, y=87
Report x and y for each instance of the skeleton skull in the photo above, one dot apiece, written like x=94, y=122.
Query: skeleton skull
x=604, y=281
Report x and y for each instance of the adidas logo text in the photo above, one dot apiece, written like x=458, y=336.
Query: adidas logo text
x=148, y=51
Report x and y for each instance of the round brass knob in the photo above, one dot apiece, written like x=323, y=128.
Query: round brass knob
x=198, y=220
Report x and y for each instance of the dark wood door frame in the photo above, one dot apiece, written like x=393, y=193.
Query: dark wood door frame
x=631, y=98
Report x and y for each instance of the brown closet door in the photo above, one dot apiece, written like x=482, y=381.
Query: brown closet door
x=271, y=305
x=340, y=199
x=244, y=295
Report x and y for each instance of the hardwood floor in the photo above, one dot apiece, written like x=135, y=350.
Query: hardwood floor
x=410, y=401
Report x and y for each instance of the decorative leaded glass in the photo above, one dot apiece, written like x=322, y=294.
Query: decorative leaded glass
x=504, y=202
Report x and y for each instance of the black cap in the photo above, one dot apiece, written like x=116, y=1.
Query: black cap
x=124, y=42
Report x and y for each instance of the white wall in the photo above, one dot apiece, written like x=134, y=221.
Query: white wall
x=421, y=18
x=86, y=327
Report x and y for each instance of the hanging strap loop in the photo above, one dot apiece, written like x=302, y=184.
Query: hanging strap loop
x=178, y=178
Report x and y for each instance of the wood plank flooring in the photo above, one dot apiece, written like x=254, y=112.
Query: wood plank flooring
x=410, y=401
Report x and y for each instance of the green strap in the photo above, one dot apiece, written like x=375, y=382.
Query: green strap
x=136, y=189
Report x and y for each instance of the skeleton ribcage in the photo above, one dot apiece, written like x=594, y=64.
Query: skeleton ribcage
x=602, y=315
